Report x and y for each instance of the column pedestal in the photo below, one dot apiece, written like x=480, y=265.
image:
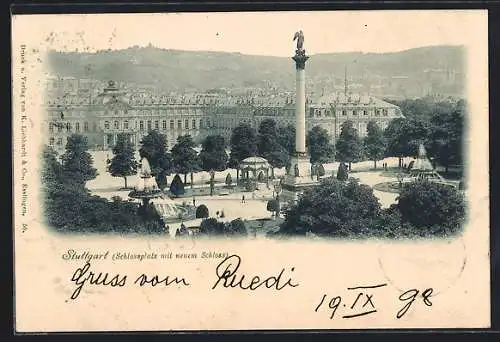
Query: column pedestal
x=298, y=178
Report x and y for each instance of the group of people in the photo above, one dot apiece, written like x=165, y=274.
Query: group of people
x=182, y=231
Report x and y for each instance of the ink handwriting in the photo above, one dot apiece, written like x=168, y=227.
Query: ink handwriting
x=363, y=303
x=228, y=277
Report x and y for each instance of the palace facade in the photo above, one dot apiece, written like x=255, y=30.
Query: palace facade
x=116, y=110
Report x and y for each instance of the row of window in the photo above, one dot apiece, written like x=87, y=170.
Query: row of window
x=171, y=111
x=150, y=125
x=274, y=111
x=52, y=141
x=116, y=112
x=325, y=112
x=68, y=127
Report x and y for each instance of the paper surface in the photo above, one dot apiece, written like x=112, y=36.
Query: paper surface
x=321, y=275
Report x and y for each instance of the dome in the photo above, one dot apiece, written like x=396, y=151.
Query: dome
x=254, y=160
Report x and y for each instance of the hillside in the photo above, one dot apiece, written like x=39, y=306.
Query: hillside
x=399, y=73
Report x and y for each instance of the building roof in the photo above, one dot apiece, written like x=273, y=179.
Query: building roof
x=254, y=163
x=351, y=99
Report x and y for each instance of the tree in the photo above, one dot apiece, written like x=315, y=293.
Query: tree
x=123, y=163
x=51, y=168
x=236, y=228
x=177, y=187
x=201, y=211
x=229, y=180
x=69, y=206
x=273, y=206
x=318, y=144
x=446, y=138
x=342, y=172
x=374, y=143
x=286, y=138
x=349, y=145
x=77, y=163
x=333, y=209
x=434, y=209
x=211, y=226
x=184, y=157
x=213, y=154
x=154, y=148
x=243, y=144
x=269, y=146
x=403, y=137
x=320, y=169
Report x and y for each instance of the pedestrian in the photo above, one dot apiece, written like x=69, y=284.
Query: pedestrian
x=243, y=199
x=183, y=231
x=194, y=201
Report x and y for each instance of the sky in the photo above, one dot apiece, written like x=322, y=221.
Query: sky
x=260, y=33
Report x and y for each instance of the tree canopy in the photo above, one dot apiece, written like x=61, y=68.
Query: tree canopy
x=432, y=208
x=77, y=163
x=349, y=146
x=123, y=163
x=213, y=154
x=184, y=157
x=269, y=146
x=70, y=208
x=446, y=138
x=243, y=144
x=154, y=148
x=319, y=146
x=286, y=138
x=404, y=136
x=374, y=142
x=333, y=209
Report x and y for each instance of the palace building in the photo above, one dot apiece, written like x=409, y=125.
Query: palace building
x=117, y=110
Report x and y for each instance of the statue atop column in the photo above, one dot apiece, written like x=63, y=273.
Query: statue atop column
x=300, y=57
x=299, y=37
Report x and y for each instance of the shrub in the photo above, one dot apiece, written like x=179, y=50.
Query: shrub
x=272, y=205
x=432, y=208
x=250, y=186
x=211, y=226
x=320, y=170
x=177, y=186
x=333, y=209
x=202, y=211
x=342, y=173
x=229, y=180
x=236, y=228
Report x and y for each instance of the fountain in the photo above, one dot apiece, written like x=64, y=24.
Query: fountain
x=419, y=169
x=147, y=189
x=422, y=168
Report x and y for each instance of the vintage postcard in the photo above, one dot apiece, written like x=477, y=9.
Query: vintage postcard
x=250, y=171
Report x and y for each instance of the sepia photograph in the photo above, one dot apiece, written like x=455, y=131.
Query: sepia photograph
x=151, y=140
x=225, y=135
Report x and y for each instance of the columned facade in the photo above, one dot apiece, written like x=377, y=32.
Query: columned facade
x=102, y=117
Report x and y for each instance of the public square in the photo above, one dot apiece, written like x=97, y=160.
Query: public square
x=254, y=208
